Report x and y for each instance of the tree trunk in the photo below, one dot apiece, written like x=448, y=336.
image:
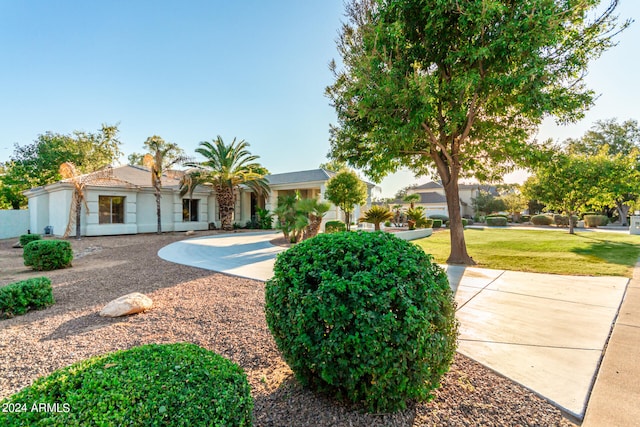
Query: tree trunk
x=158, y=210
x=458, y=253
x=347, y=220
x=623, y=211
x=226, y=204
x=79, y=198
x=571, y=230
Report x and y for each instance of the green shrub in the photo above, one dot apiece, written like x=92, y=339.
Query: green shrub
x=20, y=297
x=496, y=221
x=465, y=222
x=428, y=223
x=48, y=254
x=525, y=218
x=387, y=223
x=151, y=385
x=583, y=214
x=27, y=238
x=334, y=226
x=563, y=220
x=437, y=223
x=497, y=216
x=363, y=316
x=541, y=220
x=595, y=220
x=443, y=218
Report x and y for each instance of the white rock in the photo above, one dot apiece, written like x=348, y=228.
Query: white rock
x=127, y=304
x=190, y=233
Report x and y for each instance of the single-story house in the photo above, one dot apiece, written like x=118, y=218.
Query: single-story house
x=121, y=200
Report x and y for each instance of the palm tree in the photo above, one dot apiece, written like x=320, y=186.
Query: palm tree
x=375, y=215
x=227, y=167
x=162, y=156
x=411, y=199
x=68, y=171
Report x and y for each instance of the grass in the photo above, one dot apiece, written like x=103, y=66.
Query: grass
x=544, y=251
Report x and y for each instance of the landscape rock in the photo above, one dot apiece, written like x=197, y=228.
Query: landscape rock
x=16, y=245
x=127, y=304
x=190, y=233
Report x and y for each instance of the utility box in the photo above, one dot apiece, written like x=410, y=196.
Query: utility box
x=48, y=230
x=634, y=228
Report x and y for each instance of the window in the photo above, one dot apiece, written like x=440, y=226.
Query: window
x=111, y=209
x=190, y=210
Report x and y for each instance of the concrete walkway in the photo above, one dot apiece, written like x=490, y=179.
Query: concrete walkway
x=546, y=332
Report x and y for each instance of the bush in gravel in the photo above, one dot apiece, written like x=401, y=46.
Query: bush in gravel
x=334, y=226
x=363, y=316
x=48, y=254
x=595, y=220
x=27, y=238
x=150, y=385
x=541, y=220
x=496, y=221
x=19, y=297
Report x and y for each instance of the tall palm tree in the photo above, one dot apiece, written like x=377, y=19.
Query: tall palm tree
x=226, y=168
x=411, y=199
x=161, y=157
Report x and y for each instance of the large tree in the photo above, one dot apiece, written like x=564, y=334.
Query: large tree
x=161, y=157
x=459, y=86
x=346, y=190
x=38, y=163
x=617, y=144
x=226, y=167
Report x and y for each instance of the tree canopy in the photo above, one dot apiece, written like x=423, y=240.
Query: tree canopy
x=38, y=163
x=459, y=87
x=346, y=190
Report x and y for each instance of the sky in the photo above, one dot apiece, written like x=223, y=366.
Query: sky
x=189, y=71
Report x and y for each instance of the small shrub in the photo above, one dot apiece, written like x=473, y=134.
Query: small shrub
x=334, y=226
x=170, y=384
x=437, y=223
x=363, y=316
x=541, y=220
x=582, y=215
x=496, y=221
x=465, y=222
x=28, y=238
x=594, y=221
x=525, y=218
x=48, y=254
x=443, y=218
x=428, y=223
x=497, y=216
x=387, y=223
x=20, y=297
x=563, y=220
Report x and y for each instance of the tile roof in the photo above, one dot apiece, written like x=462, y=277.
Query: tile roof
x=428, y=186
x=299, y=176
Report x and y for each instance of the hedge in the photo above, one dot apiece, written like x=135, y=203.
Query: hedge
x=334, y=226
x=437, y=223
x=496, y=221
x=443, y=218
x=541, y=220
x=363, y=316
x=594, y=221
x=151, y=385
x=27, y=238
x=48, y=254
x=19, y=297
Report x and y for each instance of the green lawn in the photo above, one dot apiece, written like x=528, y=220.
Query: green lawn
x=544, y=251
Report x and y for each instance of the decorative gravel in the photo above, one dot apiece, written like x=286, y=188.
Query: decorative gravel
x=223, y=314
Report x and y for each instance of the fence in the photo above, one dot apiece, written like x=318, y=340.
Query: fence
x=13, y=223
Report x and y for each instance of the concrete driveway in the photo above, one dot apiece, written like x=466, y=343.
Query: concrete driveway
x=546, y=332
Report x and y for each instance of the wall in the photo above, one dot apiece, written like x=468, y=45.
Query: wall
x=13, y=223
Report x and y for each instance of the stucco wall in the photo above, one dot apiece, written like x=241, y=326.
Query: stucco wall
x=13, y=223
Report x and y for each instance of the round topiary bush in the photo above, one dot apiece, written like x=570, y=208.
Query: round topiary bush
x=496, y=221
x=25, y=239
x=48, y=254
x=541, y=220
x=363, y=316
x=437, y=223
x=170, y=384
x=594, y=221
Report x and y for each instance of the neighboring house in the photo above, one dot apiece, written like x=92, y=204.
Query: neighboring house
x=310, y=184
x=434, y=201
x=123, y=202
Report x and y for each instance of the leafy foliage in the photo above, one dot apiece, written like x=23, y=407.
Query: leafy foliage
x=496, y=221
x=595, y=220
x=417, y=215
x=151, y=385
x=300, y=218
x=375, y=215
x=346, y=190
x=27, y=238
x=19, y=297
x=363, y=316
x=48, y=254
x=459, y=87
x=37, y=164
x=334, y=226
x=486, y=203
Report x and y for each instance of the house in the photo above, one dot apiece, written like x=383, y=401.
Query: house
x=121, y=200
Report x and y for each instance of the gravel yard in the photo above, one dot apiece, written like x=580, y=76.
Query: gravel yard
x=223, y=314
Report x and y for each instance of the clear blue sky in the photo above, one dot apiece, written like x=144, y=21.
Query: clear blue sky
x=189, y=71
